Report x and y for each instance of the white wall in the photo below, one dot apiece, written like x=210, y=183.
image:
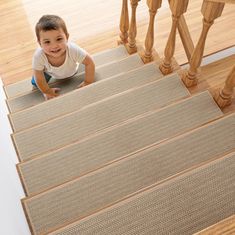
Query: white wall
x=12, y=218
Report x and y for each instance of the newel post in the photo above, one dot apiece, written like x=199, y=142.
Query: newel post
x=210, y=11
x=153, y=5
x=124, y=23
x=224, y=96
x=178, y=8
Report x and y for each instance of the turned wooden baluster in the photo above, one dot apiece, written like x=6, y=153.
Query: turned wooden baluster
x=178, y=8
x=132, y=31
x=224, y=96
x=210, y=11
x=153, y=6
x=124, y=23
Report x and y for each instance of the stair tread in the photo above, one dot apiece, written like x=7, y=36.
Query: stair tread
x=90, y=94
x=121, y=141
x=35, y=97
x=77, y=125
x=184, y=152
x=176, y=198
x=100, y=58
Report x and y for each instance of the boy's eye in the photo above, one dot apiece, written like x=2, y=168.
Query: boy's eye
x=59, y=39
x=46, y=42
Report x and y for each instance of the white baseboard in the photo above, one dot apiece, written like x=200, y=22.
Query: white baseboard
x=12, y=218
x=214, y=57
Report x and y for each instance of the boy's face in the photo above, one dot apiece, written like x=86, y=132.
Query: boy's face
x=53, y=42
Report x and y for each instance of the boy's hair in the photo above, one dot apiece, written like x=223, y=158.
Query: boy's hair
x=50, y=22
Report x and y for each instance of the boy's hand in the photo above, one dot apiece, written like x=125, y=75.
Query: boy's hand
x=51, y=93
x=89, y=71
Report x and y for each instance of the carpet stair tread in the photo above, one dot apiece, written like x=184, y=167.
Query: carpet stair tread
x=79, y=98
x=35, y=97
x=98, y=116
x=146, y=212
x=201, y=145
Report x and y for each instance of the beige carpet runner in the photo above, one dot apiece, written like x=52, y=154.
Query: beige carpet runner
x=106, y=113
x=195, y=200
x=162, y=161
x=171, y=120
x=79, y=98
x=101, y=58
x=31, y=98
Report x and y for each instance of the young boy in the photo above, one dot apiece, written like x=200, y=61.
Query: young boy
x=57, y=57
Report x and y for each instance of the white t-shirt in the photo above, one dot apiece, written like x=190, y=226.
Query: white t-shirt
x=74, y=56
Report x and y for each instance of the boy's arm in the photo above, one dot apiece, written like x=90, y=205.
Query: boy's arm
x=43, y=85
x=89, y=71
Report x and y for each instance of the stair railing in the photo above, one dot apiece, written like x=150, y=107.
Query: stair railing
x=129, y=38
x=210, y=11
x=185, y=37
x=153, y=6
x=224, y=96
x=178, y=8
x=124, y=23
x=131, y=46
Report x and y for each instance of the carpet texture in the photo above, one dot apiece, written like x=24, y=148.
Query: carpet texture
x=201, y=145
x=106, y=113
x=190, y=199
x=79, y=98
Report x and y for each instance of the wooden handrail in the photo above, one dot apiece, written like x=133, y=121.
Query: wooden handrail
x=124, y=23
x=178, y=7
x=224, y=96
x=210, y=11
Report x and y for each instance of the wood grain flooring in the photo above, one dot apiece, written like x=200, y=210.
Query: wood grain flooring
x=94, y=24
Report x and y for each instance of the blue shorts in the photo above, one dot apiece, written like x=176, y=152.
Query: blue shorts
x=47, y=77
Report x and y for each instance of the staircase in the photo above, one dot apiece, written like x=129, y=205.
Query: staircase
x=132, y=153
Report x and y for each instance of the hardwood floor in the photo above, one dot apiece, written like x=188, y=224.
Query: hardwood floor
x=94, y=24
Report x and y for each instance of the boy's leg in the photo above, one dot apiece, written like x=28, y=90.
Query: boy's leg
x=47, y=77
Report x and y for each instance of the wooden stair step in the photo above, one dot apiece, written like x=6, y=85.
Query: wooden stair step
x=162, y=161
x=100, y=115
x=31, y=98
x=199, y=193
x=79, y=98
x=224, y=227
x=100, y=58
